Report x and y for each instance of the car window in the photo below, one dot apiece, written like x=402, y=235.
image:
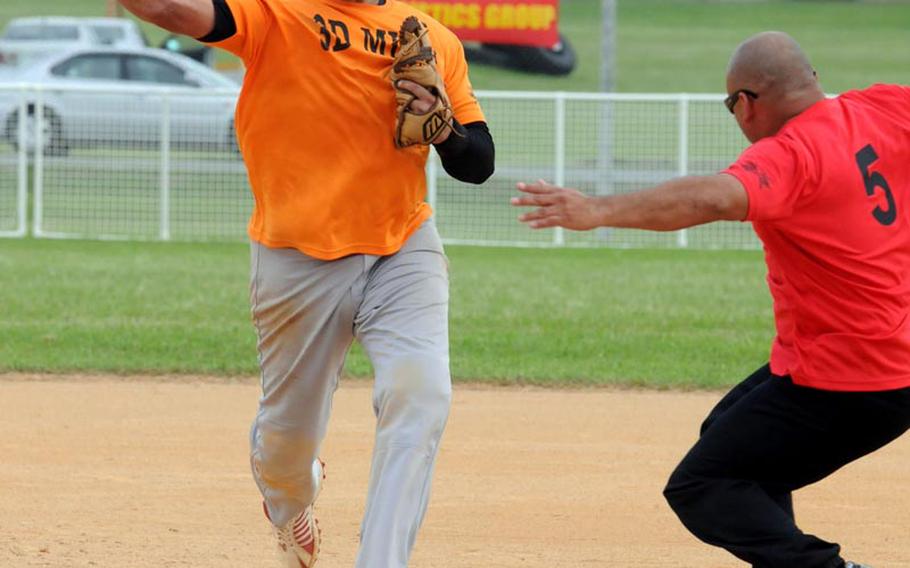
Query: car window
x=41, y=32
x=109, y=35
x=152, y=70
x=101, y=66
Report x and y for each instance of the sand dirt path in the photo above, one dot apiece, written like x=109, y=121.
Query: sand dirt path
x=139, y=472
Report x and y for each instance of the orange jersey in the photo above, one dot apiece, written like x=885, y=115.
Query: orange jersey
x=316, y=118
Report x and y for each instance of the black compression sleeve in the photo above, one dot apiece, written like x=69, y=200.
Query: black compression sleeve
x=225, y=26
x=468, y=158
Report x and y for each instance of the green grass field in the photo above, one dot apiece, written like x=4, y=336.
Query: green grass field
x=684, y=46
x=659, y=318
x=662, y=318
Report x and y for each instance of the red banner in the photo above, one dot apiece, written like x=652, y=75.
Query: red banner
x=520, y=22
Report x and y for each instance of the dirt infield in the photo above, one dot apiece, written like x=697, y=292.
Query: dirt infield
x=136, y=473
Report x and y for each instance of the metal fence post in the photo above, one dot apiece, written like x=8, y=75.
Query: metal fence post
x=165, y=171
x=22, y=167
x=559, y=160
x=39, y=162
x=682, y=236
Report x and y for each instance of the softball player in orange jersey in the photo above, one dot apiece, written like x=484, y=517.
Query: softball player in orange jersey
x=343, y=246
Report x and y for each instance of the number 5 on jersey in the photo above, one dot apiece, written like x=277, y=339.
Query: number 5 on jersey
x=864, y=159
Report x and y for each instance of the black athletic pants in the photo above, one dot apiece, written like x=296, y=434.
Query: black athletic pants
x=766, y=438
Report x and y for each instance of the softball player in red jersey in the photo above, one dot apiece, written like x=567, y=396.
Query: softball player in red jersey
x=826, y=185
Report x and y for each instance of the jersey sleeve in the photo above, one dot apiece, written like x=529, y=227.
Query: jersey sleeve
x=458, y=85
x=774, y=174
x=252, y=19
x=902, y=100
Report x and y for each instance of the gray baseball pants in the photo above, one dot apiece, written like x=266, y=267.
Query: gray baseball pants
x=307, y=312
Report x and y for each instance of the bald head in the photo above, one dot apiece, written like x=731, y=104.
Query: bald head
x=779, y=80
x=773, y=64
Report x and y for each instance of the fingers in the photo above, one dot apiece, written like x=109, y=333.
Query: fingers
x=419, y=106
x=535, y=215
x=423, y=101
x=539, y=187
x=532, y=200
x=418, y=91
x=540, y=219
x=545, y=223
x=539, y=193
x=549, y=200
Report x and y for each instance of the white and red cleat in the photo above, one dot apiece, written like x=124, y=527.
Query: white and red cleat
x=298, y=541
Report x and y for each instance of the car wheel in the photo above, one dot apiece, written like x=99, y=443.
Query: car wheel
x=10, y=130
x=52, y=140
x=557, y=60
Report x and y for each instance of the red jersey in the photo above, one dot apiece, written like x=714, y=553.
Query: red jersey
x=829, y=196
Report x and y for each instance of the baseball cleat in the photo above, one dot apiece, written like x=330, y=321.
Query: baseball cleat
x=855, y=565
x=299, y=540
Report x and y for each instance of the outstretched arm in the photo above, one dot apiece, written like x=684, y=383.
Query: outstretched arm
x=194, y=18
x=675, y=204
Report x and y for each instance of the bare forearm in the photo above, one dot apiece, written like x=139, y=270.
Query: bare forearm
x=675, y=204
x=194, y=18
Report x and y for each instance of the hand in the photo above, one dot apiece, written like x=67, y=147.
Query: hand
x=556, y=207
x=423, y=102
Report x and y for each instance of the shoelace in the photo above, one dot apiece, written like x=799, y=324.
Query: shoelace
x=297, y=533
x=302, y=529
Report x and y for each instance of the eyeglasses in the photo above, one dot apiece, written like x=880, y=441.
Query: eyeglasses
x=733, y=98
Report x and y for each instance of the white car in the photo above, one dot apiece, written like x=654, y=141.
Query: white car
x=98, y=96
x=25, y=40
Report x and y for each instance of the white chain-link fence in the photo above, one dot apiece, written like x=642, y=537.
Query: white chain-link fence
x=163, y=165
x=13, y=167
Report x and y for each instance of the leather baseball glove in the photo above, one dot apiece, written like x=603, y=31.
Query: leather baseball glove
x=415, y=61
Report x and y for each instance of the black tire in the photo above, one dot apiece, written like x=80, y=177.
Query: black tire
x=11, y=130
x=53, y=139
x=55, y=144
x=557, y=60
x=481, y=53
